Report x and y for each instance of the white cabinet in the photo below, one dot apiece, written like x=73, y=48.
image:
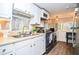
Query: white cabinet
x=25, y=50
x=21, y=44
x=30, y=8
x=23, y=47
x=38, y=15
x=59, y=34
x=36, y=12
x=10, y=53
x=33, y=46
x=39, y=45
x=6, y=10
x=42, y=46
x=6, y=49
x=36, y=47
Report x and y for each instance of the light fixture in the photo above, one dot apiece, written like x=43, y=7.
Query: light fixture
x=57, y=18
x=76, y=9
x=75, y=12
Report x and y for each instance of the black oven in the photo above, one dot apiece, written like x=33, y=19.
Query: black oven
x=47, y=39
x=50, y=44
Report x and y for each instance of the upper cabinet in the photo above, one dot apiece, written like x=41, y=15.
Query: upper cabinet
x=6, y=10
x=36, y=11
x=31, y=9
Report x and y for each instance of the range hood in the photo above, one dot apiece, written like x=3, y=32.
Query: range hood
x=22, y=13
x=43, y=18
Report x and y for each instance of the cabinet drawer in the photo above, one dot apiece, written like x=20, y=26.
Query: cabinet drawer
x=6, y=49
x=21, y=44
x=11, y=53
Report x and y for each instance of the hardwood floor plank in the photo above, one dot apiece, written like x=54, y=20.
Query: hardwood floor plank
x=62, y=49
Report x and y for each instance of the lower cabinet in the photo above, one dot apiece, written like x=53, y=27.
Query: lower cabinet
x=10, y=53
x=26, y=50
x=43, y=45
x=36, y=46
x=6, y=49
x=39, y=45
x=33, y=46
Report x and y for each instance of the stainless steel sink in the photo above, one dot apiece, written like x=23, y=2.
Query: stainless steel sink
x=20, y=36
x=16, y=36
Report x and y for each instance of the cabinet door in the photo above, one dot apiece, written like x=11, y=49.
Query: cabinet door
x=24, y=47
x=38, y=15
x=25, y=50
x=11, y=53
x=5, y=10
x=43, y=45
x=36, y=12
x=36, y=47
x=6, y=49
x=39, y=45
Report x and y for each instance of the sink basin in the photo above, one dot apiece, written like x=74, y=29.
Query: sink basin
x=16, y=36
x=20, y=36
x=23, y=35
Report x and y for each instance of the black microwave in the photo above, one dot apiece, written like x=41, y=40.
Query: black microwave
x=45, y=15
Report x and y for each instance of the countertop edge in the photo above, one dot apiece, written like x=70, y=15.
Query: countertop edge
x=4, y=44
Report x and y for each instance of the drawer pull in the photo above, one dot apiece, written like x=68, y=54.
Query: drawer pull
x=11, y=54
x=31, y=46
x=3, y=50
x=34, y=44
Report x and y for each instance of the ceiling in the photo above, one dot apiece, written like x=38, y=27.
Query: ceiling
x=57, y=7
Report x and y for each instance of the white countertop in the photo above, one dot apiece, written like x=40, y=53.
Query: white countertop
x=10, y=40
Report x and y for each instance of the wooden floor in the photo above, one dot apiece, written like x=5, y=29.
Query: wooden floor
x=62, y=48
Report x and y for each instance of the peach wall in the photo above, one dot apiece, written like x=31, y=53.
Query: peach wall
x=1, y=37
x=3, y=23
x=1, y=34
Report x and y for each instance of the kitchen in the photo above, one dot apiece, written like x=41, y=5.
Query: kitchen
x=30, y=29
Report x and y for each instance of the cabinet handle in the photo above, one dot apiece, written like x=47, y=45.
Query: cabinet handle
x=11, y=54
x=34, y=44
x=42, y=40
x=3, y=50
x=31, y=46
